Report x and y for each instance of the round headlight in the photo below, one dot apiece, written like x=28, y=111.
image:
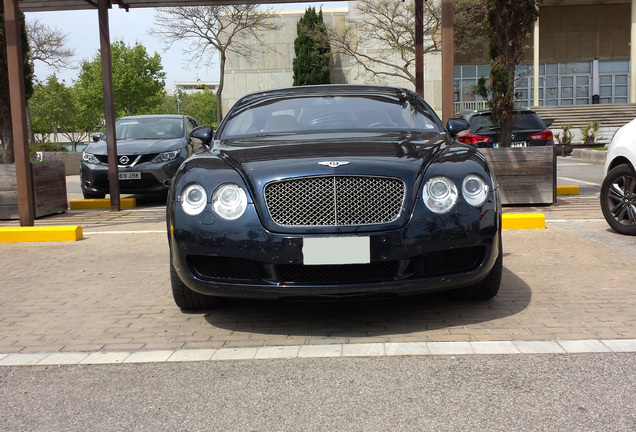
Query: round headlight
x=193, y=199
x=475, y=190
x=229, y=201
x=440, y=194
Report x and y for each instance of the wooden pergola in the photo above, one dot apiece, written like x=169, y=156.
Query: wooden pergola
x=12, y=9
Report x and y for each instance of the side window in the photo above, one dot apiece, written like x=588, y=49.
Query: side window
x=191, y=125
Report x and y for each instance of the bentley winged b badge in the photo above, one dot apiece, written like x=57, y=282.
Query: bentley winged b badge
x=333, y=164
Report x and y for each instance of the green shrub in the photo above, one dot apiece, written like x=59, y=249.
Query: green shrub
x=45, y=147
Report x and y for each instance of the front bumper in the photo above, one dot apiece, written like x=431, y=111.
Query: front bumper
x=155, y=177
x=431, y=253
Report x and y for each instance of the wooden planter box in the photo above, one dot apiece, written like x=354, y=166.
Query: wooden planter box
x=525, y=175
x=49, y=189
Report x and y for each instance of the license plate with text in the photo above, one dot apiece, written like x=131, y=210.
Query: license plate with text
x=129, y=176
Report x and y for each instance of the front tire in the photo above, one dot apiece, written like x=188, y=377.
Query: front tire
x=187, y=299
x=487, y=288
x=618, y=199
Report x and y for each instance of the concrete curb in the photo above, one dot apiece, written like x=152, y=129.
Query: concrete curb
x=323, y=351
x=101, y=203
x=567, y=190
x=41, y=234
x=523, y=221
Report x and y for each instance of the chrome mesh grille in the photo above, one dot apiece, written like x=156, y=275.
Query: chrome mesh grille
x=335, y=200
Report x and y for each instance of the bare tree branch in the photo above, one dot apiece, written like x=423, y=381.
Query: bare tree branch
x=382, y=40
x=48, y=45
x=214, y=29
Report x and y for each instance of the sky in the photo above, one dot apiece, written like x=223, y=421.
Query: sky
x=82, y=32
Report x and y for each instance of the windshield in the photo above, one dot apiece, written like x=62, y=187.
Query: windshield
x=149, y=128
x=522, y=121
x=326, y=113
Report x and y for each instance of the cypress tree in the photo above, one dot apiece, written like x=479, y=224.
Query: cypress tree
x=311, y=64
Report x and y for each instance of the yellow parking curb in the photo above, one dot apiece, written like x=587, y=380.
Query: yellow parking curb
x=41, y=234
x=101, y=203
x=568, y=190
x=523, y=221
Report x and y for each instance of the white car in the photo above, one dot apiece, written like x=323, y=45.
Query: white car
x=618, y=192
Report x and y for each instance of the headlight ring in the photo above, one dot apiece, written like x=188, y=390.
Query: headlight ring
x=475, y=190
x=229, y=201
x=440, y=194
x=193, y=199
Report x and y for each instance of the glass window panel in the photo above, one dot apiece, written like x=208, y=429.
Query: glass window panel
x=613, y=66
x=457, y=71
x=582, y=80
x=582, y=101
x=620, y=79
x=552, y=102
x=620, y=100
x=567, y=102
x=541, y=69
x=574, y=68
x=605, y=91
x=552, y=81
x=605, y=79
x=551, y=69
x=605, y=100
x=566, y=92
x=582, y=91
x=483, y=70
x=567, y=81
x=552, y=93
x=467, y=89
x=620, y=91
x=468, y=71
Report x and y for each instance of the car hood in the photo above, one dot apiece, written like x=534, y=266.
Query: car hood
x=267, y=159
x=137, y=147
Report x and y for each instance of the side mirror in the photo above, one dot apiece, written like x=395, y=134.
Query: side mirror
x=202, y=135
x=96, y=136
x=455, y=126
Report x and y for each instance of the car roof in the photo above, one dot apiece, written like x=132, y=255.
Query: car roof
x=328, y=89
x=156, y=116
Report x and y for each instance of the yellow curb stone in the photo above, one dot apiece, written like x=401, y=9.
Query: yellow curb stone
x=101, y=203
x=523, y=221
x=567, y=190
x=41, y=234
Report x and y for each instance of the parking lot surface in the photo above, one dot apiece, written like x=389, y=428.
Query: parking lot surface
x=110, y=292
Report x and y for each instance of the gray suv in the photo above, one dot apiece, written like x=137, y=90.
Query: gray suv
x=150, y=149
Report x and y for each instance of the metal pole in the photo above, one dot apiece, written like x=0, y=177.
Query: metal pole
x=109, y=107
x=448, y=60
x=419, y=47
x=24, y=181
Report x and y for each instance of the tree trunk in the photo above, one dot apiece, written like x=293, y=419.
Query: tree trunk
x=219, y=91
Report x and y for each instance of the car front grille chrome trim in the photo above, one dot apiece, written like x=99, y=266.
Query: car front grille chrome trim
x=335, y=200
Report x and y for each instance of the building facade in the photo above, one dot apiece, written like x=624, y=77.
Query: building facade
x=581, y=52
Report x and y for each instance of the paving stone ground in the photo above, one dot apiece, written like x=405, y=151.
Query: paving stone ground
x=110, y=292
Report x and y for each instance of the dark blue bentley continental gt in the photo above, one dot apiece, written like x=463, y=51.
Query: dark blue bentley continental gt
x=333, y=192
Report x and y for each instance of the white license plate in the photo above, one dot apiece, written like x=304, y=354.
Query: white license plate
x=336, y=250
x=129, y=176
x=518, y=144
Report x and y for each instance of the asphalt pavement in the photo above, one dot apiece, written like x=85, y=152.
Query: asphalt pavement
x=90, y=339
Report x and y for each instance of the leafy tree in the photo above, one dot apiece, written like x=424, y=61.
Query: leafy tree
x=6, y=131
x=200, y=105
x=56, y=107
x=509, y=24
x=311, y=64
x=138, y=81
x=214, y=29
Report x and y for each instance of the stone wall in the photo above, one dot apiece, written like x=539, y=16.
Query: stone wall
x=271, y=66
